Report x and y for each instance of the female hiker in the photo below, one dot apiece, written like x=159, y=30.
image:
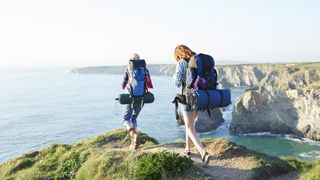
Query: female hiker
x=182, y=56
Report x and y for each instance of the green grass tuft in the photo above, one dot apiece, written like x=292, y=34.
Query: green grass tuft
x=312, y=174
x=300, y=166
x=22, y=163
x=269, y=166
x=161, y=165
x=308, y=170
x=69, y=166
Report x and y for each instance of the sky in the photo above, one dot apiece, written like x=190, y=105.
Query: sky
x=106, y=32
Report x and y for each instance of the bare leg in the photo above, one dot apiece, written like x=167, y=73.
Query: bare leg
x=188, y=141
x=189, y=120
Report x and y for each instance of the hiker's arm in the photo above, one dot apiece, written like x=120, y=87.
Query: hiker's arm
x=148, y=80
x=179, y=73
x=125, y=79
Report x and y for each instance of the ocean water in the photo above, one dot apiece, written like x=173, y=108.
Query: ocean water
x=42, y=107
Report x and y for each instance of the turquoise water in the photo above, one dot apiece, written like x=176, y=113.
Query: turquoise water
x=39, y=108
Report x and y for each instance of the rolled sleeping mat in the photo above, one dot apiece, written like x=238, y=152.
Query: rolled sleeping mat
x=126, y=98
x=201, y=100
x=148, y=98
x=212, y=98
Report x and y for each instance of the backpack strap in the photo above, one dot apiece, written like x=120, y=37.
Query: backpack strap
x=183, y=86
x=209, y=113
x=199, y=65
x=193, y=75
x=130, y=76
x=175, y=101
x=216, y=78
x=142, y=102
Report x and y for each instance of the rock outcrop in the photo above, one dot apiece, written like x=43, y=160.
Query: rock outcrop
x=283, y=98
x=205, y=123
x=287, y=101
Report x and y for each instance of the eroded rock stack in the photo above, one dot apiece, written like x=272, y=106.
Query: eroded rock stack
x=285, y=102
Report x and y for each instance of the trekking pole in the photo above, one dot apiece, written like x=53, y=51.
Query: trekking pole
x=115, y=108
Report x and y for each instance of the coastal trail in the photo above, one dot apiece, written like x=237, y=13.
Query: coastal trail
x=221, y=168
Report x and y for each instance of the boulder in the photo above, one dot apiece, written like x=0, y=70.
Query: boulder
x=253, y=113
x=204, y=122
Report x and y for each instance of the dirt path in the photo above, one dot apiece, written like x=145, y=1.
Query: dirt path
x=239, y=168
x=221, y=169
x=233, y=168
x=288, y=176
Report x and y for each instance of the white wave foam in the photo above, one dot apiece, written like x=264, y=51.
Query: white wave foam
x=311, y=154
x=302, y=140
x=285, y=136
x=258, y=134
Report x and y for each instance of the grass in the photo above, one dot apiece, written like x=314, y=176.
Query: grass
x=107, y=157
x=268, y=166
x=62, y=161
x=307, y=170
x=161, y=165
x=312, y=174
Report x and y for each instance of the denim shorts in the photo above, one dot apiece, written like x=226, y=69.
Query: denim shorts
x=184, y=107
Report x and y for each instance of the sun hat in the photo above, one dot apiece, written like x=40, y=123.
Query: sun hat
x=134, y=56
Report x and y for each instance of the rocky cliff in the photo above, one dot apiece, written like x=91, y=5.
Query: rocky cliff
x=229, y=75
x=204, y=122
x=282, y=98
x=284, y=101
x=155, y=69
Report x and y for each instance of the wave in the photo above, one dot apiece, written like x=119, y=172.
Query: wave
x=301, y=140
x=260, y=134
x=311, y=154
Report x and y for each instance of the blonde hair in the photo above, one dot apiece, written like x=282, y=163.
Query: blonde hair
x=183, y=52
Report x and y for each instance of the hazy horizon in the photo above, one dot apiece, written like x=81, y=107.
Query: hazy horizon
x=59, y=67
x=98, y=32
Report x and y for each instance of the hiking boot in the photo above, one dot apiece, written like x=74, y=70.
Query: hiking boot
x=186, y=153
x=135, y=141
x=205, y=158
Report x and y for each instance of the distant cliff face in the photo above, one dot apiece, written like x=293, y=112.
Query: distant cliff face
x=155, y=69
x=282, y=99
x=286, y=101
x=242, y=75
x=235, y=75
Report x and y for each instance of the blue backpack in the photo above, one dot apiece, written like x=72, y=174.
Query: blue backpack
x=201, y=91
x=203, y=75
x=137, y=72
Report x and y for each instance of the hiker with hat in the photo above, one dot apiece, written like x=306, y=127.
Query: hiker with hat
x=136, y=82
x=182, y=55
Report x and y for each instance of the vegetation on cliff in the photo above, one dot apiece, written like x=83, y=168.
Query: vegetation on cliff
x=108, y=157
x=308, y=170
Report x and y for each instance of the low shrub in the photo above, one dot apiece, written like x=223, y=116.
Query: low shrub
x=161, y=165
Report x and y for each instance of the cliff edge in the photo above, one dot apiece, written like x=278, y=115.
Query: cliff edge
x=107, y=156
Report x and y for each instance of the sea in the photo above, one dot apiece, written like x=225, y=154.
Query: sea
x=44, y=106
